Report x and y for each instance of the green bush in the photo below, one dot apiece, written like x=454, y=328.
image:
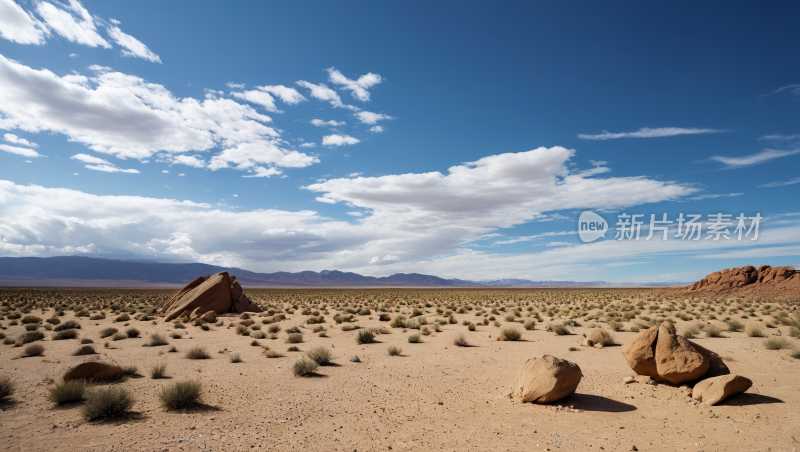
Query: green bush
x=108, y=332
x=304, y=366
x=509, y=334
x=31, y=336
x=294, y=338
x=414, y=338
x=601, y=336
x=157, y=340
x=180, y=395
x=320, y=355
x=734, y=326
x=777, y=343
x=68, y=392
x=159, y=371
x=365, y=337
x=109, y=402
x=398, y=322
x=394, y=351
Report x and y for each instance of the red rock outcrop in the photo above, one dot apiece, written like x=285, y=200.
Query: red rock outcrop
x=750, y=278
x=219, y=293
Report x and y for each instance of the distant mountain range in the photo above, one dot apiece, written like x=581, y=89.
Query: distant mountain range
x=77, y=271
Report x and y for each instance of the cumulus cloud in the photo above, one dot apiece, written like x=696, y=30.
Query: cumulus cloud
x=287, y=95
x=358, y=88
x=308, y=145
x=367, y=117
x=133, y=47
x=647, y=132
x=376, y=129
x=190, y=160
x=11, y=138
x=20, y=151
x=323, y=93
x=260, y=98
x=73, y=55
x=383, y=259
x=232, y=85
x=753, y=159
x=339, y=140
x=331, y=123
x=19, y=26
x=98, y=164
x=126, y=116
x=74, y=23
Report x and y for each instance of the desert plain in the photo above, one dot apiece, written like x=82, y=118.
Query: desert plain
x=446, y=385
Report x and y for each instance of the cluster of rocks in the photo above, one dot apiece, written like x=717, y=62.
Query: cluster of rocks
x=753, y=277
x=662, y=355
x=206, y=297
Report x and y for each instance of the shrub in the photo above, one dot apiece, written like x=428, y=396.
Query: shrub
x=31, y=336
x=794, y=331
x=293, y=349
x=691, y=333
x=394, y=351
x=777, y=343
x=258, y=335
x=734, y=326
x=7, y=387
x=132, y=332
x=157, y=340
x=53, y=320
x=65, y=334
x=384, y=317
x=795, y=353
x=398, y=322
x=294, y=338
x=753, y=329
x=32, y=327
x=471, y=327
x=30, y=319
x=320, y=355
x=509, y=334
x=123, y=318
x=236, y=358
x=530, y=324
x=68, y=325
x=273, y=354
x=713, y=331
x=68, y=392
x=304, y=366
x=460, y=341
x=109, y=402
x=274, y=328
x=180, y=395
x=119, y=336
x=86, y=340
x=85, y=350
x=414, y=338
x=33, y=350
x=242, y=330
x=159, y=371
x=197, y=352
x=558, y=328
x=108, y=332
x=180, y=326
x=350, y=327
x=365, y=337
x=634, y=329
x=601, y=336
x=616, y=326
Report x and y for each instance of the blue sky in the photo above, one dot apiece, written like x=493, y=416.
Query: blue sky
x=461, y=139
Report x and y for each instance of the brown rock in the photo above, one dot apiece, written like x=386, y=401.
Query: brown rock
x=587, y=343
x=94, y=371
x=716, y=366
x=212, y=294
x=546, y=379
x=209, y=317
x=717, y=389
x=598, y=345
x=677, y=360
x=247, y=322
x=640, y=352
x=245, y=305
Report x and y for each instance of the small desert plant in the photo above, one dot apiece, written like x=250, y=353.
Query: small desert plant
x=350, y=327
x=294, y=338
x=235, y=358
x=365, y=337
x=471, y=327
x=108, y=332
x=180, y=395
x=274, y=328
x=691, y=333
x=159, y=371
x=304, y=366
x=197, y=352
x=601, y=336
x=734, y=326
x=355, y=359
x=753, y=329
x=558, y=328
x=109, y=402
x=384, y=317
x=394, y=351
x=398, y=322
x=119, y=337
x=272, y=354
x=460, y=341
x=157, y=340
x=132, y=332
x=258, y=335
x=509, y=334
x=414, y=338
x=123, y=318
x=777, y=343
x=85, y=350
x=68, y=325
x=65, y=334
x=530, y=324
x=616, y=326
x=86, y=340
x=242, y=330
x=68, y=392
x=180, y=326
x=794, y=331
x=293, y=349
x=795, y=353
x=31, y=336
x=30, y=319
x=713, y=331
x=7, y=387
x=33, y=350
x=320, y=355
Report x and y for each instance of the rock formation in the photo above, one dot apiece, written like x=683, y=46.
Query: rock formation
x=546, y=379
x=219, y=293
x=714, y=390
x=94, y=371
x=750, y=278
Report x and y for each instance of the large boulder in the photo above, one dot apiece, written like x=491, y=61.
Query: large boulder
x=94, y=371
x=640, y=353
x=219, y=293
x=716, y=366
x=547, y=379
x=677, y=360
x=714, y=390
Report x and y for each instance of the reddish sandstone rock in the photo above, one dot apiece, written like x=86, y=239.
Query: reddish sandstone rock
x=717, y=389
x=640, y=353
x=677, y=359
x=219, y=293
x=763, y=277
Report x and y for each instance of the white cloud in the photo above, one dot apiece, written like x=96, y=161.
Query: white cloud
x=339, y=140
x=528, y=238
x=367, y=117
x=232, y=85
x=598, y=162
x=21, y=151
x=647, y=132
x=322, y=92
x=98, y=164
x=260, y=171
x=384, y=259
x=11, y=138
x=260, y=98
x=190, y=160
x=778, y=137
x=376, y=129
x=74, y=24
x=780, y=183
x=181, y=175
x=165, y=171
x=331, y=123
x=710, y=196
x=358, y=88
x=115, y=21
x=287, y=95
x=355, y=214
x=73, y=55
x=354, y=174
x=308, y=145
x=753, y=159
x=19, y=26
x=126, y=116
x=792, y=88
x=133, y=47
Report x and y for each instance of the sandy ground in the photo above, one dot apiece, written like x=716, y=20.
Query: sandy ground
x=436, y=396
